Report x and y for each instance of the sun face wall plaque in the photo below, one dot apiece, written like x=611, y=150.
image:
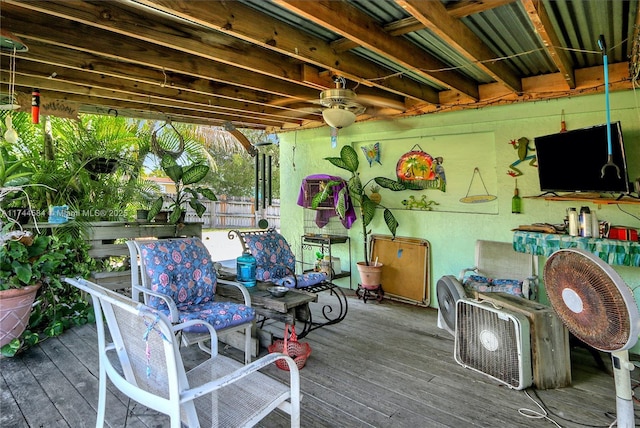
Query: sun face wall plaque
x=418, y=170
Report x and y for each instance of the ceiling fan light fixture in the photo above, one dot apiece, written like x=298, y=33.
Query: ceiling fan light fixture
x=338, y=117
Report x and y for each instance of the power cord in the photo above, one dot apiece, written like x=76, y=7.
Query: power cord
x=546, y=414
x=534, y=414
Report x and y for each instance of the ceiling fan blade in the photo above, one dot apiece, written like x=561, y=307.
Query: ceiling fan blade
x=312, y=113
x=282, y=102
x=376, y=101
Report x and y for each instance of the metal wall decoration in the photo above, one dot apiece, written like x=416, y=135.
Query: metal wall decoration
x=418, y=170
x=524, y=154
x=475, y=199
x=372, y=153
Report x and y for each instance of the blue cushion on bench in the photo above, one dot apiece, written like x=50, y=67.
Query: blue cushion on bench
x=304, y=280
x=483, y=284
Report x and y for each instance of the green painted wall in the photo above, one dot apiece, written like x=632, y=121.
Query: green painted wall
x=466, y=139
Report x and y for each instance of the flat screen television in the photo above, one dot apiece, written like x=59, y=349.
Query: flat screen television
x=572, y=161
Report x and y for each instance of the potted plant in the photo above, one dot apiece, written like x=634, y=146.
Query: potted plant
x=368, y=208
x=183, y=177
x=17, y=287
x=31, y=268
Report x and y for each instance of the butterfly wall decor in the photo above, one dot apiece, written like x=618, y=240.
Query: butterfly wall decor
x=372, y=153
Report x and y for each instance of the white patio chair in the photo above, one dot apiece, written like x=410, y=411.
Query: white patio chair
x=177, y=277
x=220, y=392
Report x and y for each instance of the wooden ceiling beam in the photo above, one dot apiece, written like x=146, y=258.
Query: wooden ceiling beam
x=118, y=19
x=240, y=21
x=457, y=10
x=135, y=51
x=457, y=35
x=53, y=57
x=346, y=20
x=149, y=89
x=101, y=102
x=110, y=96
x=540, y=21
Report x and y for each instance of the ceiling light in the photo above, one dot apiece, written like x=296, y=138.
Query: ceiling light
x=338, y=117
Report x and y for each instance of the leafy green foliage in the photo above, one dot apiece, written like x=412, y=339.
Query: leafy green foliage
x=183, y=176
x=348, y=160
x=58, y=305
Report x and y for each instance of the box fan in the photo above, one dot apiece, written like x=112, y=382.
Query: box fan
x=495, y=342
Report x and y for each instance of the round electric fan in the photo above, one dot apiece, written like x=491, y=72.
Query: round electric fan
x=596, y=305
x=448, y=292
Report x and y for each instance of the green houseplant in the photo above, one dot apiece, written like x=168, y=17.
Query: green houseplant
x=348, y=161
x=184, y=177
x=31, y=269
x=37, y=264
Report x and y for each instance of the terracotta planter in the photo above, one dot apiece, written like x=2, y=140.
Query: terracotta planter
x=15, y=309
x=370, y=275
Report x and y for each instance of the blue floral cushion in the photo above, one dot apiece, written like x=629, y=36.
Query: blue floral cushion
x=488, y=285
x=274, y=258
x=304, y=280
x=219, y=314
x=182, y=270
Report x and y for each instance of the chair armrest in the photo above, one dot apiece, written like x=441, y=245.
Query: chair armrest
x=173, y=309
x=294, y=376
x=245, y=293
x=212, y=331
x=464, y=272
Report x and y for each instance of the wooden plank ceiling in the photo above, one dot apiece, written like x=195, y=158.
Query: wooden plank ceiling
x=262, y=64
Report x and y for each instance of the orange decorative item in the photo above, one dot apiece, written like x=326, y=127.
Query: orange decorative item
x=35, y=106
x=290, y=346
x=418, y=170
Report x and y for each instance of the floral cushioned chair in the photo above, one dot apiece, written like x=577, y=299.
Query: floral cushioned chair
x=177, y=278
x=276, y=263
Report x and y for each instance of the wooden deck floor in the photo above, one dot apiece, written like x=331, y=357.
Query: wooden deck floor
x=386, y=365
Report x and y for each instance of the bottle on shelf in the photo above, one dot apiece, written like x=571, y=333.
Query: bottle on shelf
x=574, y=227
x=516, y=201
x=585, y=222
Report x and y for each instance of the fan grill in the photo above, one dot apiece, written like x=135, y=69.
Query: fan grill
x=492, y=343
x=587, y=300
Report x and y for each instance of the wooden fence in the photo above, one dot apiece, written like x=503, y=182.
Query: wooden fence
x=233, y=212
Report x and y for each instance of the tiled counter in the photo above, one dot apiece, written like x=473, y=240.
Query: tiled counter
x=612, y=251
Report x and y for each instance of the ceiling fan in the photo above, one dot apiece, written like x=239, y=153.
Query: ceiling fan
x=340, y=106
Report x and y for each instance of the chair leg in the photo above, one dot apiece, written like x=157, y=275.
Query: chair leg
x=102, y=397
x=247, y=343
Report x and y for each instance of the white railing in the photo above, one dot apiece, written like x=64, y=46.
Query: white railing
x=233, y=212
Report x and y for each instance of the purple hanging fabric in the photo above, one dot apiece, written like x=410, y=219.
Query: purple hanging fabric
x=323, y=216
